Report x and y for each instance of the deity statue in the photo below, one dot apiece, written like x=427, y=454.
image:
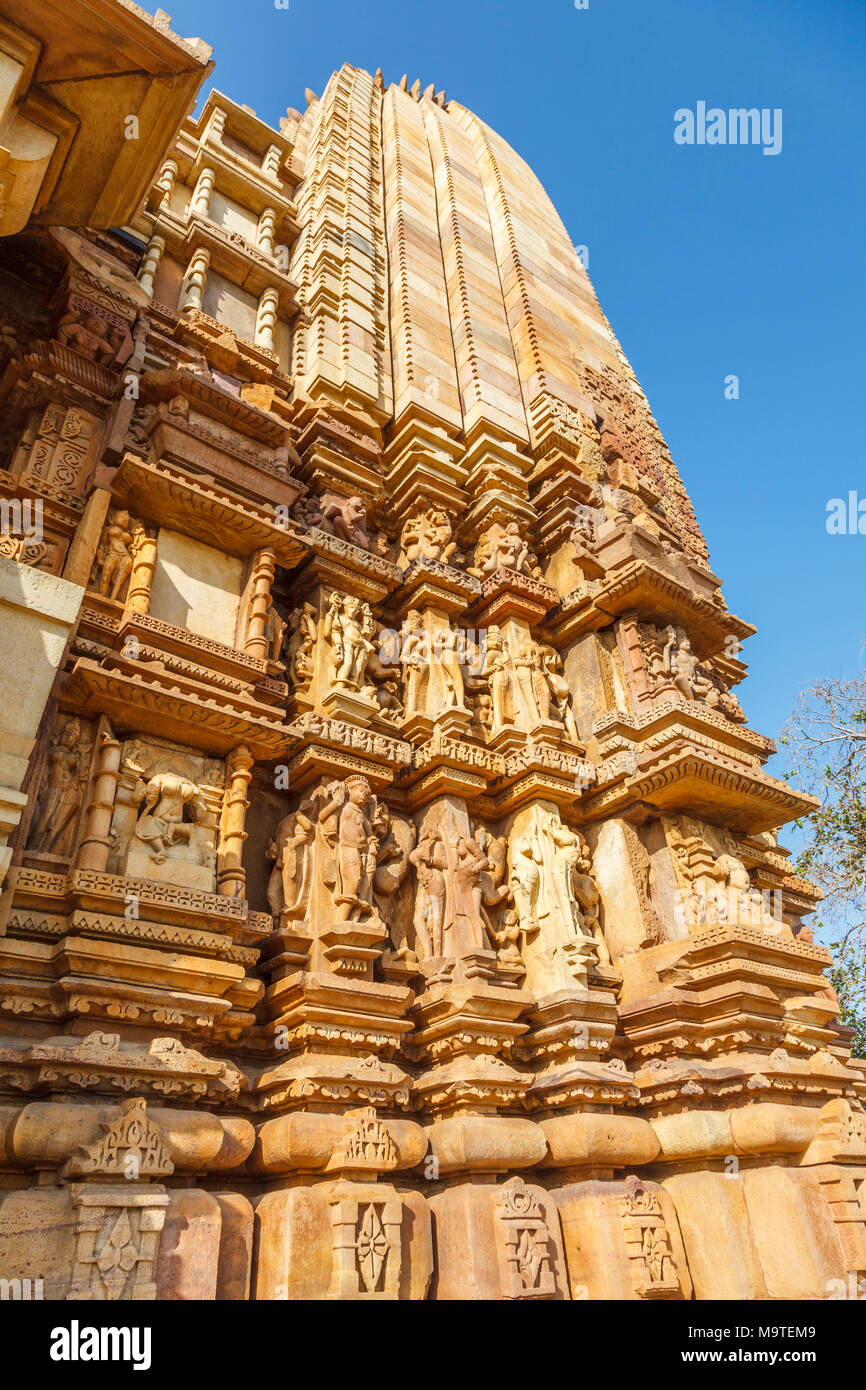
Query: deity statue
x=532, y=680
x=60, y=796
x=525, y=878
x=348, y=627
x=682, y=666
x=386, y=676
x=352, y=826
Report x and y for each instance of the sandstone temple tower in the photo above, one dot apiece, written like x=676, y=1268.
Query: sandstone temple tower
x=392, y=903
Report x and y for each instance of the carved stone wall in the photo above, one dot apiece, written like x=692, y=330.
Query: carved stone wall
x=394, y=906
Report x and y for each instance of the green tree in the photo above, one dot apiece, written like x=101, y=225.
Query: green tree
x=827, y=738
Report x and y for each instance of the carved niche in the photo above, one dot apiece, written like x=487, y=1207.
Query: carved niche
x=166, y=815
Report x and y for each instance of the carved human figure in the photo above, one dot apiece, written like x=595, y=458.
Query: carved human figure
x=161, y=823
x=274, y=628
x=383, y=670
x=380, y=545
x=496, y=669
x=524, y=660
x=555, y=899
x=560, y=692
x=469, y=864
x=568, y=853
x=502, y=548
x=307, y=511
x=302, y=640
x=288, y=888
x=426, y=535
x=114, y=554
x=54, y=829
x=589, y=900
x=392, y=871
x=416, y=665
x=346, y=518
x=531, y=660
x=89, y=336
x=430, y=860
x=524, y=881
x=482, y=722
x=583, y=532
x=347, y=627
x=682, y=666
x=448, y=666
x=351, y=825
x=494, y=891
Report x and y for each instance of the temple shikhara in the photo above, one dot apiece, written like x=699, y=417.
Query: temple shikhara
x=392, y=905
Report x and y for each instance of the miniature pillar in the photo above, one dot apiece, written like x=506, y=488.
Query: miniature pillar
x=141, y=577
x=271, y=161
x=231, y=875
x=199, y=205
x=266, y=319
x=96, y=843
x=267, y=231
x=216, y=124
x=167, y=176
x=150, y=264
x=193, y=285
x=257, y=642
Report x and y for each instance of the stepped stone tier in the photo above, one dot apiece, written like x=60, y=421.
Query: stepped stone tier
x=393, y=907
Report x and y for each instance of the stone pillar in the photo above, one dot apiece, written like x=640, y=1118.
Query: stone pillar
x=193, y=285
x=141, y=577
x=231, y=875
x=257, y=642
x=150, y=264
x=271, y=161
x=166, y=180
x=96, y=841
x=199, y=205
x=267, y=231
x=82, y=551
x=266, y=319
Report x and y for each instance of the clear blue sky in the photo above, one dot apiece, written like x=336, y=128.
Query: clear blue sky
x=707, y=260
